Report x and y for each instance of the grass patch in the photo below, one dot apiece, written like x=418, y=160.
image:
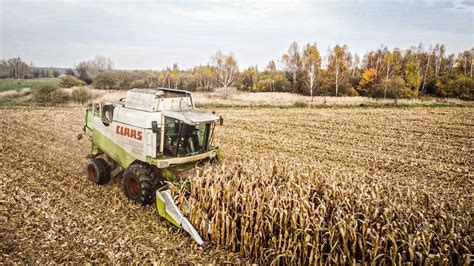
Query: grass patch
x=9, y=102
x=300, y=104
x=12, y=84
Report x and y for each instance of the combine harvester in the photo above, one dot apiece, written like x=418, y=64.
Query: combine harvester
x=145, y=135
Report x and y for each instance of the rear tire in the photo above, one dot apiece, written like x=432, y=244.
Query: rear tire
x=140, y=182
x=98, y=171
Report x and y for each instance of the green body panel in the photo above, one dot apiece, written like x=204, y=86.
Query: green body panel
x=167, y=174
x=161, y=209
x=89, y=116
x=102, y=144
x=114, y=151
x=219, y=155
x=95, y=150
x=150, y=160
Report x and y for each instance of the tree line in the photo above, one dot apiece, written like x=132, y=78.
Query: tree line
x=18, y=69
x=380, y=73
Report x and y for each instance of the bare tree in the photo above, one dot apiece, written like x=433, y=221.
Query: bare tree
x=88, y=69
x=472, y=60
x=438, y=54
x=355, y=64
x=15, y=68
x=465, y=63
x=450, y=61
x=225, y=69
x=102, y=63
x=292, y=62
x=426, y=69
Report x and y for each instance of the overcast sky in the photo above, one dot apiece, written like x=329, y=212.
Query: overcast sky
x=156, y=34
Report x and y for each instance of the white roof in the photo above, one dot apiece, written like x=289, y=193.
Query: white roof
x=153, y=100
x=191, y=116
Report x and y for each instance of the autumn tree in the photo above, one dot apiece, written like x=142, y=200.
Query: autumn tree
x=271, y=79
x=389, y=88
x=413, y=78
x=175, y=76
x=375, y=59
x=465, y=62
x=338, y=68
x=391, y=66
x=249, y=78
x=225, y=69
x=152, y=79
x=311, y=65
x=271, y=69
x=392, y=63
x=368, y=79
x=388, y=62
x=204, y=76
x=164, y=78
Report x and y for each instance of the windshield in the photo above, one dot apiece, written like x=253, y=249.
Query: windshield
x=183, y=140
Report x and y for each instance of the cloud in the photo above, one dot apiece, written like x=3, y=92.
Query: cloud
x=150, y=34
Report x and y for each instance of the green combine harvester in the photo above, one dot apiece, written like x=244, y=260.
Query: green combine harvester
x=143, y=136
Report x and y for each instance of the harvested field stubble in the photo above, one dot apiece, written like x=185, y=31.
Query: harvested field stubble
x=50, y=212
x=296, y=186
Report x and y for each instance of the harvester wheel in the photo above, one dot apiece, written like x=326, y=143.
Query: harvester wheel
x=98, y=171
x=140, y=182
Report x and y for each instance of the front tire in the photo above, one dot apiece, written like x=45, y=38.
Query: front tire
x=98, y=171
x=140, y=182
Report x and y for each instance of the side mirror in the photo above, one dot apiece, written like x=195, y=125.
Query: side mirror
x=154, y=127
x=221, y=120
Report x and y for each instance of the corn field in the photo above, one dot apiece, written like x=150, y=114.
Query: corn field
x=296, y=186
x=311, y=187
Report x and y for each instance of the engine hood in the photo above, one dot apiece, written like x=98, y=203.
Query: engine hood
x=191, y=116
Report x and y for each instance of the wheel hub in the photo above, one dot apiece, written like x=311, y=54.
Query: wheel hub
x=92, y=174
x=133, y=188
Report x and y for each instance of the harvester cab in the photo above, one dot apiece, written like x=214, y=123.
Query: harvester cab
x=142, y=136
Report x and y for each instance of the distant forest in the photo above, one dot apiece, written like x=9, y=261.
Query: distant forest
x=380, y=73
